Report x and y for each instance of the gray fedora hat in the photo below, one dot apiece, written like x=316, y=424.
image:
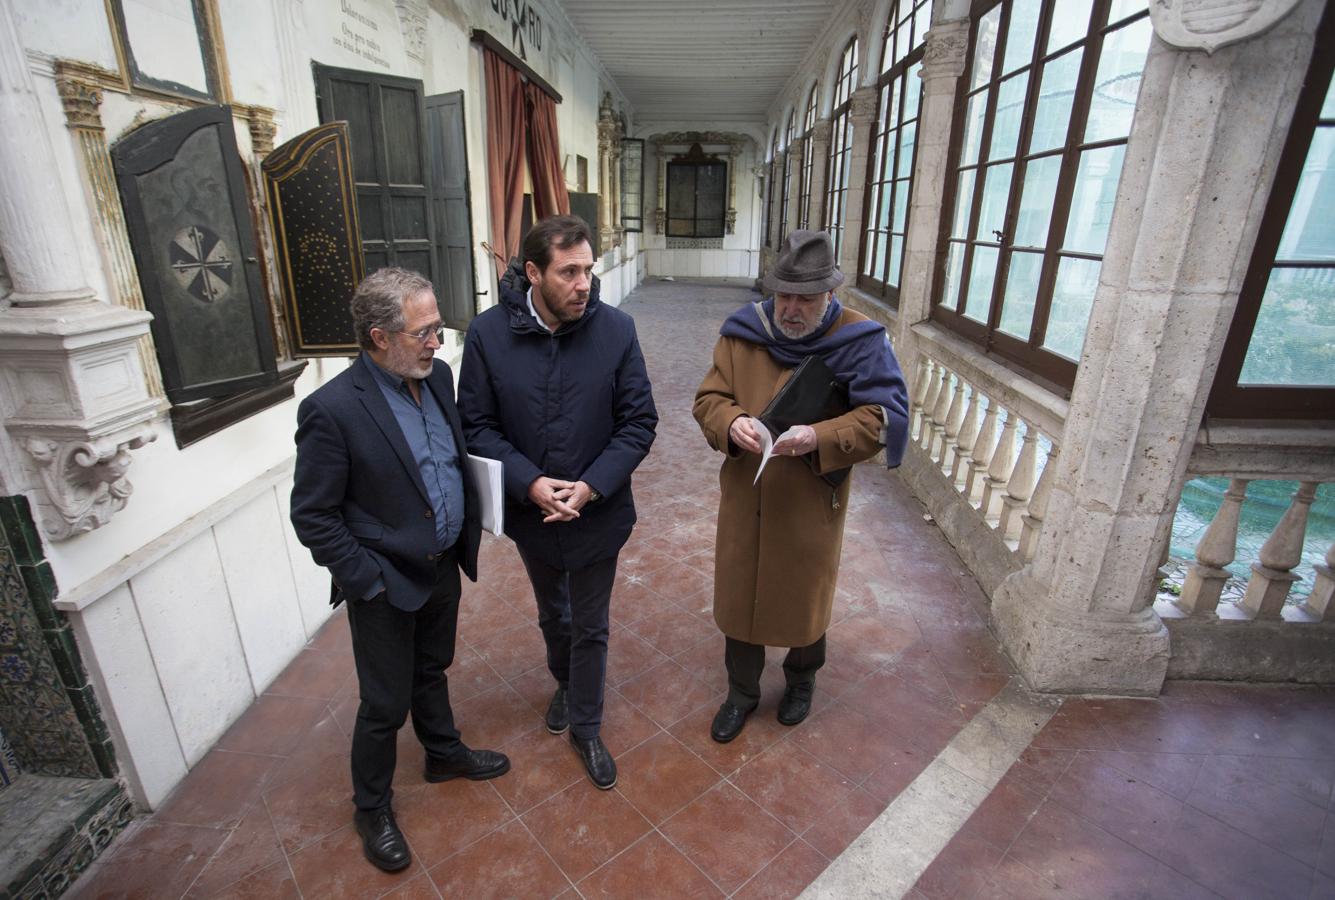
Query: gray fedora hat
x=805, y=265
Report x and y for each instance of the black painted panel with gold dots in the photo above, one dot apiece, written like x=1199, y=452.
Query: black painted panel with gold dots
x=313, y=207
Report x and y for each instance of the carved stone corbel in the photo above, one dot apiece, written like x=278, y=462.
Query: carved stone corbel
x=85, y=481
x=412, y=22
x=1206, y=25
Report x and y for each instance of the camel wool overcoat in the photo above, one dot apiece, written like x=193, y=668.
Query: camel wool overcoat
x=778, y=542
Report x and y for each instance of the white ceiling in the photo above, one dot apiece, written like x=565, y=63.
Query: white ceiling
x=709, y=61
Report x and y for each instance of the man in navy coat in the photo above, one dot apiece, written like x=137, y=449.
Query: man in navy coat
x=553, y=384
x=381, y=499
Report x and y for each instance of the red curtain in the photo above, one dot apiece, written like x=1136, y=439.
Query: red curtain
x=550, y=197
x=505, y=155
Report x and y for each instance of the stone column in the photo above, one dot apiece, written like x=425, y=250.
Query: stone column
x=776, y=178
x=76, y=401
x=818, y=145
x=796, y=152
x=609, y=147
x=660, y=213
x=942, y=66
x=862, y=113
x=730, y=217
x=1200, y=163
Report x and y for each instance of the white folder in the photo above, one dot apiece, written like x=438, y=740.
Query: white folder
x=487, y=478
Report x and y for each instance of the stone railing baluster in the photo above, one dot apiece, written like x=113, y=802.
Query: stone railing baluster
x=929, y=407
x=939, y=414
x=1272, y=575
x=999, y=468
x=1319, y=602
x=981, y=456
x=1216, y=549
x=968, y=436
x=1038, y=507
x=1021, y=486
x=954, y=418
x=921, y=381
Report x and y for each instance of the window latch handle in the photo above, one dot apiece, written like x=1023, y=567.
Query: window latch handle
x=1000, y=236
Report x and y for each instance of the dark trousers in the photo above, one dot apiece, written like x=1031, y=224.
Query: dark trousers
x=746, y=661
x=573, y=615
x=401, y=661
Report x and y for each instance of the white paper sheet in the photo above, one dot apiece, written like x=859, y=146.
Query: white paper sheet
x=486, y=474
x=767, y=443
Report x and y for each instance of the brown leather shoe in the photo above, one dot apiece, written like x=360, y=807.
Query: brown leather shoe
x=382, y=842
x=475, y=765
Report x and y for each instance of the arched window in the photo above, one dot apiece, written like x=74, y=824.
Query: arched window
x=890, y=178
x=804, y=192
x=1036, y=156
x=841, y=139
x=766, y=227
x=786, y=181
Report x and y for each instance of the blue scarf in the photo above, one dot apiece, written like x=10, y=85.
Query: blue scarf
x=858, y=354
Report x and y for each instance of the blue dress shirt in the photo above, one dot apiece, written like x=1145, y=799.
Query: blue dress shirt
x=432, y=445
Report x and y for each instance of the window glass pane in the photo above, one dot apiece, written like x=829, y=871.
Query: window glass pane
x=973, y=128
x=1310, y=232
x=1040, y=185
x=921, y=23
x=981, y=275
x=896, y=257
x=877, y=256
x=1017, y=307
x=954, y=266
x=883, y=219
x=1006, y=123
x=165, y=42
x=1117, y=81
x=985, y=47
x=1070, y=25
x=1294, y=338
x=1020, y=34
x=901, y=204
x=907, y=135
x=1052, y=118
x=1328, y=107
x=996, y=191
x=912, y=88
x=1072, y=298
x=963, y=203
x=1092, y=203
x=1123, y=8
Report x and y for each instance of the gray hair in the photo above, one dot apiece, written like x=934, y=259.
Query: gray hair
x=378, y=301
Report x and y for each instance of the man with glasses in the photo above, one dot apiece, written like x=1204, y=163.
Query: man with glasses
x=380, y=498
x=553, y=384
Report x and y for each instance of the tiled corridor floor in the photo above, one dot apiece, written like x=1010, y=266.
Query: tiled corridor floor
x=1206, y=791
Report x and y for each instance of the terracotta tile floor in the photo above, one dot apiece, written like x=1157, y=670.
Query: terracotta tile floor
x=1209, y=790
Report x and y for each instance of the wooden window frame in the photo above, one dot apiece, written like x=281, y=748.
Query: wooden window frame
x=1028, y=355
x=208, y=29
x=841, y=142
x=691, y=161
x=808, y=159
x=632, y=224
x=1229, y=399
x=892, y=72
x=787, y=174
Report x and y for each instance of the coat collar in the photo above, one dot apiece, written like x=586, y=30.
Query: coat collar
x=514, y=297
x=383, y=416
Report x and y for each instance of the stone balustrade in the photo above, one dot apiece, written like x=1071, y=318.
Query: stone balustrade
x=1271, y=576
x=993, y=456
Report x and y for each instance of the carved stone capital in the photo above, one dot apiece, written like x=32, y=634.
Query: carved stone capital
x=946, y=51
x=82, y=99
x=660, y=219
x=821, y=131
x=412, y=22
x=263, y=128
x=862, y=105
x=730, y=221
x=1210, y=24
x=85, y=481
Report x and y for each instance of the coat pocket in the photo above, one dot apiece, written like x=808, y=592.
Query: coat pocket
x=370, y=531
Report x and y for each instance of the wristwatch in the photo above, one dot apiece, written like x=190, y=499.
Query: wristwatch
x=594, y=496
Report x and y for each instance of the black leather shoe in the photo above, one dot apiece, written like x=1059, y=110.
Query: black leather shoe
x=728, y=722
x=597, y=761
x=558, y=713
x=795, y=705
x=382, y=841
x=475, y=765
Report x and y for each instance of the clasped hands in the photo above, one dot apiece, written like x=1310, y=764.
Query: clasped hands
x=802, y=440
x=560, y=501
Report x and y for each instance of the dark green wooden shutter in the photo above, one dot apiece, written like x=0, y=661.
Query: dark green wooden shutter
x=387, y=130
x=455, y=287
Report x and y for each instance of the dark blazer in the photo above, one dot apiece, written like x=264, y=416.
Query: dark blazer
x=574, y=405
x=358, y=500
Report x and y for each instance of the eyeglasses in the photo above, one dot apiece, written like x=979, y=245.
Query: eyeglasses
x=426, y=334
